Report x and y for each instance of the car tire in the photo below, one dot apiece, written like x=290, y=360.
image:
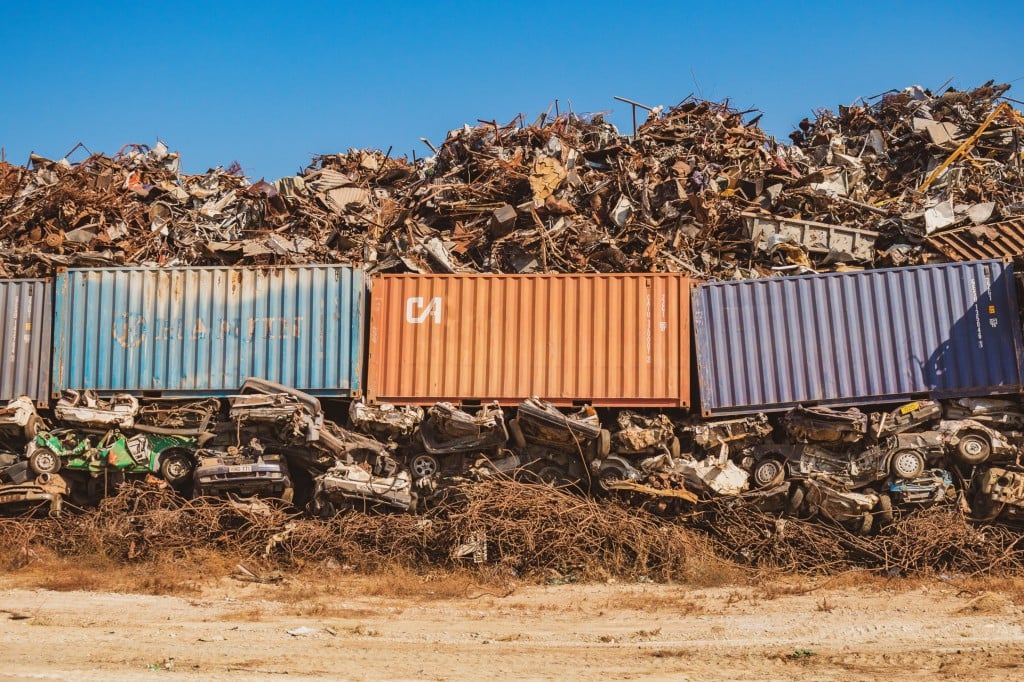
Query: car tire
x=176, y=468
x=515, y=432
x=44, y=461
x=973, y=449
x=866, y=522
x=796, y=500
x=768, y=472
x=424, y=466
x=33, y=427
x=907, y=464
x=609, y=475
x=885, y=508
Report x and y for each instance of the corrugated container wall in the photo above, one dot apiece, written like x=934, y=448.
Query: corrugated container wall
x=604, y=339
x=203, y=331
x=857, y=337
x=27, y=309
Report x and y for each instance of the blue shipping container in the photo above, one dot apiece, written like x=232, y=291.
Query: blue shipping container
x=204, y=331
x=853, y=338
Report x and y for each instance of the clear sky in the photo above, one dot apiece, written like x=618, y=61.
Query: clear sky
x=271, y=83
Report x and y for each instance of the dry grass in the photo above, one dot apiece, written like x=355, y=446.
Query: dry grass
x=97, y=573
x=248, y=615
x=1011, y=588
x=676, y=601
x=154, y=542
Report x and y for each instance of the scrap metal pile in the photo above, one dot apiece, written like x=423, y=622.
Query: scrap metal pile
x=901, y=178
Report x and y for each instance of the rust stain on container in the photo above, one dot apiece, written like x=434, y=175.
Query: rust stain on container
x=610, y=340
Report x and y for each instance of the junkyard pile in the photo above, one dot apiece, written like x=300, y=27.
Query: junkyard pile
x=698, y=189
x=543, y=493
x=907, y=177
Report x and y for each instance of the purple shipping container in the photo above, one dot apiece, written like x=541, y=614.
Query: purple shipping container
x=863, y=337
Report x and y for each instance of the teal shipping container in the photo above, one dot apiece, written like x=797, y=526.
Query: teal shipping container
x=204, y=331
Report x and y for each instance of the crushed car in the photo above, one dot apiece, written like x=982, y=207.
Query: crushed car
x=903, y=456
x=971, y=443
x=996, y=413
x=931, y=487
x=19, y=419
x=997, y=493
x=246, y=471
x=449, y=438
x=854, y=510
x=385, y=420
x=904, y=418
x=729, y=435
x=825, y=425
x=84, y=409
x=263, y=402
x=643, y=435
x=556, y=447
x=850, y=426
x=24, y=492
x=44, y=492
x=381, y=483
x=91, y=469
x=177, y=416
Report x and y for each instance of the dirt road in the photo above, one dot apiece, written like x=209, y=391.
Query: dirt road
x=237, y=631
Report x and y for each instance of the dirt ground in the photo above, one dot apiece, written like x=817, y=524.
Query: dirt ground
x=857, y=627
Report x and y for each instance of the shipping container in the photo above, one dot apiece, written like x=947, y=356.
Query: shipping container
x=203, y=331
x=861, y=337
x=27, y=309
x=608, y=340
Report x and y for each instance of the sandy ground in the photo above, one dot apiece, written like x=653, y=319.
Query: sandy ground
x=239, y=631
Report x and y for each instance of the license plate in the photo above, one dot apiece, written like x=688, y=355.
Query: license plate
x=907, y=409
x=240, y=469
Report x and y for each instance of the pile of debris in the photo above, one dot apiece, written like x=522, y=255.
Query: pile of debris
x=908, y=177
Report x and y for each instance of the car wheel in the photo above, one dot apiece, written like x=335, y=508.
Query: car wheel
x=608, y=476
x=796, y=500
x=424, y=466
x=603, y=444
x=44, y=461
x=865, y=523
x=552, y=476
x=768, y=472
x=33, y=427
x=907, y=464
x=515, y=432
x=885, y=508
x=972, y=449
x=176, y=468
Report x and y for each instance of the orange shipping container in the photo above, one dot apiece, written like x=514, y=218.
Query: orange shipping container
x=610, y=340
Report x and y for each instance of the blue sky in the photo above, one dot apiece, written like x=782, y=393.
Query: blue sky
x=269, y=84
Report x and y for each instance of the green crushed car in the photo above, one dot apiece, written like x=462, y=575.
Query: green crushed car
x=93, y=469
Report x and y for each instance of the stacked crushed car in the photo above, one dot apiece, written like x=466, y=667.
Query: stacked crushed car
x=270, y=441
